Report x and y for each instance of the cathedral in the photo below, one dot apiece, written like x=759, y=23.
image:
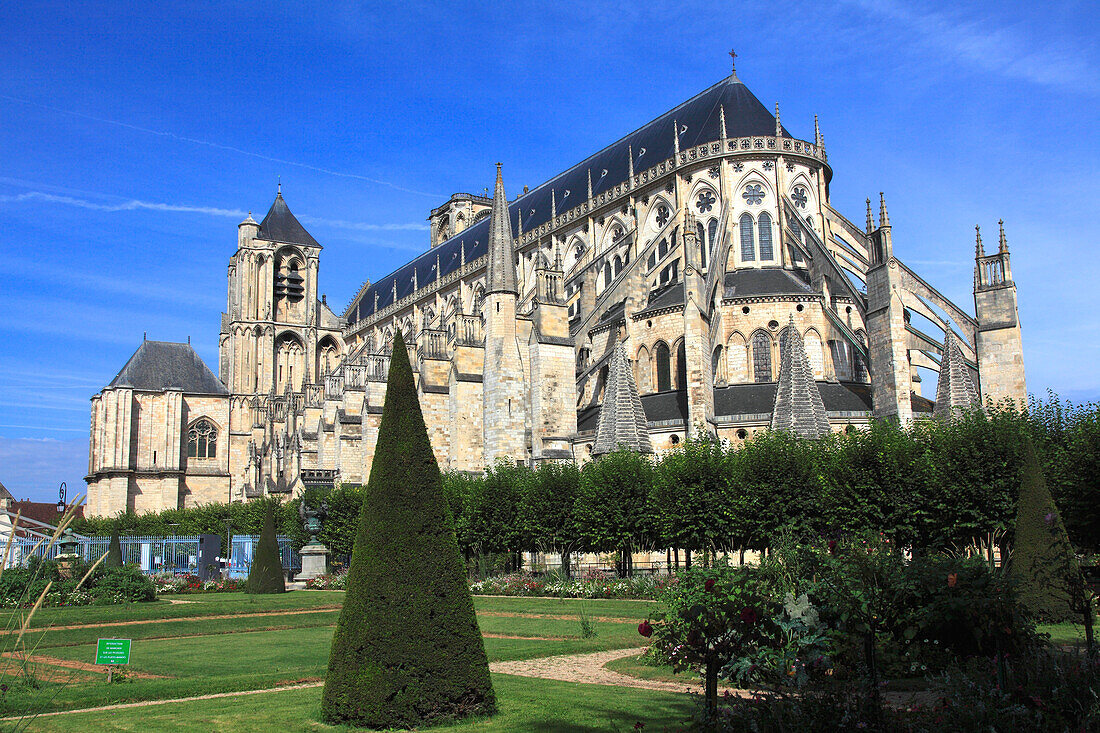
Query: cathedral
x=691, y=278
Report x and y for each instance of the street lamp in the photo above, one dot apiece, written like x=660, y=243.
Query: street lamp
x=61, y=505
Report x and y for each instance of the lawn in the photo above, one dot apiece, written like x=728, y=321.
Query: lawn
x=235, y=642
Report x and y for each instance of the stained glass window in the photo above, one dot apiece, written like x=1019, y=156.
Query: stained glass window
x=712, y=232
x=748, y=246
x=662, y=215
x=705, y=202
x=664, y=368
x=202, y=440
x=765, y=225
x=753, y=194
x=762, y=357
x=702, y=236
x=799, y=196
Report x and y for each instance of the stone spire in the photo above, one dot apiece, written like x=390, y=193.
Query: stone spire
x=870, y=220
x=630, y=161
x=722, y=120
x=818, y=138
x=799, y=408
x=979, y=250
x=502, y=265
x=778, y=124
x=622, y=419
x=883, y=215
x=1002, y=243
x=955, y=390
x=589, y=184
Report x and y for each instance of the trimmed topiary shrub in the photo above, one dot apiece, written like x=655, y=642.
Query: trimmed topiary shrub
x=1043, y=564
x=407, y=650
x=266, y=573
x=114, y=551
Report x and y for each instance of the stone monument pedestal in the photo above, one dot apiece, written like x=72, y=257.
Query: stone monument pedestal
x=314, y=561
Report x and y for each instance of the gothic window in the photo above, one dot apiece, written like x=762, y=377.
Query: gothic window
x=652, y=260
x=705, y=202
x=765, y=226
x=607, y=274
x=681, y=366
x=799, y=197
x=662, y=249
x=616, y=233
x=618, y=265
x=748, y=245
x=716, y=363
x=753, y=194
x=762, y=357
x=664, y=368
x=662, y=215
x=202, y=440
x=712, y=232
x=701, y=234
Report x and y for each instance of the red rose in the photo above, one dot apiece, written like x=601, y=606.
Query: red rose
x=832, y=547
x=709, y=585
x=645, y=629
x=748, y=616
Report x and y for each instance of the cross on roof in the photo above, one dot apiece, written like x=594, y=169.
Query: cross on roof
x=733, y=61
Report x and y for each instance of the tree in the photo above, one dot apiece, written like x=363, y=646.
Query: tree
x=693, y=502
x=546, y=510
x=114, y=551
x=611, y=505
x=407, y=651
x=266, y=573
x=1043, y=564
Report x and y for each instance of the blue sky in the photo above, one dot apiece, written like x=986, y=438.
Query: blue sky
x=136, y=138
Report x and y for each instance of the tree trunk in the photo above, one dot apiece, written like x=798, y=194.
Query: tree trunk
x=742, y=557
x=676, y=556
x=687, y=559
x=668, y=559
x=711, y=687
x=565, y=564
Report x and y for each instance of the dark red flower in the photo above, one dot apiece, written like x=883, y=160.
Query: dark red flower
x=645, y=629
x=709, y=585
x=832, y=547
x=749, y=616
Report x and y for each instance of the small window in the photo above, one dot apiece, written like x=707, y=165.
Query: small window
x=202, y=440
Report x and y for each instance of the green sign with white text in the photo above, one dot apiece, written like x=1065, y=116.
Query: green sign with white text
x=113, y=651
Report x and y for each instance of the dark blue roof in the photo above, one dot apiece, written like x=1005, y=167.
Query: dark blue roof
x=699, y=122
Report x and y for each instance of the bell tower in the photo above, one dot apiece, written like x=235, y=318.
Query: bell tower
x=999, y=344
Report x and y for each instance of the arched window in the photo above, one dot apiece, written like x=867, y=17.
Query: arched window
x=712, y=233
x=681, y=367
x=762, y=357
x=202, y=440
x=607, y=274
x=618, y=265
x=702, y=236
x=662, y=249
x=664, y=368
x=765, y=225
x=748, y=246
x=716, y=363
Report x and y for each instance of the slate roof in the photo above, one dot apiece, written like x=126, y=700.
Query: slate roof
x=281, y=226
x=623, y=422
x=160, y=365
x=748, y=399
x=955, y=389
x=650, y=144
x=799, y=408
x=669, y=296
x=753, y=282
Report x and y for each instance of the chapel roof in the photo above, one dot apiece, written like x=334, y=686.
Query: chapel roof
x=160, y=365
x=697, y=121
x=281, y=226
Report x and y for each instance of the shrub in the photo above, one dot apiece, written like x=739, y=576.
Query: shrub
x=407, y=650
x=114, y=551
x=329, y=581
x=1043, y=563
x=126, y=584
x=266, y=573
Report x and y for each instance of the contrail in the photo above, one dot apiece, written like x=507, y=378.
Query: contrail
x=218, y=146
x=137, y=205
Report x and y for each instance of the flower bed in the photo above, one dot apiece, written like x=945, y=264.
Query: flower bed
x=591, y=585
x=188, y=583
x=329, y=581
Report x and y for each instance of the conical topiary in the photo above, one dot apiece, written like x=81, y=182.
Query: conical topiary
x=266, y=573
x=114, y=551
x=407, y=650
x=1043, y=564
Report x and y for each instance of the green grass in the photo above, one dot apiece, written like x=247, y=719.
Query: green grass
x=611, y=608
x=632, y=666
x=205, y=604
x=525, y=705
x=1067, y=634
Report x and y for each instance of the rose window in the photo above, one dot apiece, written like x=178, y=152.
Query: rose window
x=662, y=215
x=799, y=197
x=705, y=202
x=753, y=194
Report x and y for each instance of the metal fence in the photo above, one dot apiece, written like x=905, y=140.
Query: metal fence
x=159, y=554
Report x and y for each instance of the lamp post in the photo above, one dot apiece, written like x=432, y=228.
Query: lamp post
x=61, y=505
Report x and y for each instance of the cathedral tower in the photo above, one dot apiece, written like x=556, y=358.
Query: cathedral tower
x=999, y=345
x=504, y=424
